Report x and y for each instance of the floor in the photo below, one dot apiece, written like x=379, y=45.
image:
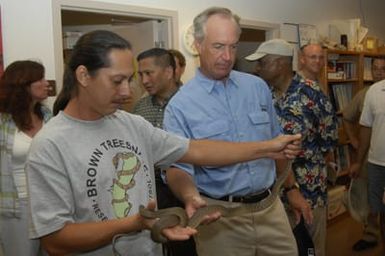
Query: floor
x=342, y=233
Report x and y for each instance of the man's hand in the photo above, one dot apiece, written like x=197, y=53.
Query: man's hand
x=300, y=206
x=354, y=170
x=354, y=142
x=194, y=203
x=176, y=233
x=148, y=223
x=286, y=146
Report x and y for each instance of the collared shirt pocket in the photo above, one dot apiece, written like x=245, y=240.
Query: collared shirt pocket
x=261, y=123
x=218, y=130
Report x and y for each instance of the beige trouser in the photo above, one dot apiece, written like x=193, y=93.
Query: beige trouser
x=317, y=230
x=264, y=233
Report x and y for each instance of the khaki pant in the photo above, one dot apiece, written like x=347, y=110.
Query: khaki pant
x=264, y=233
x=317, y=230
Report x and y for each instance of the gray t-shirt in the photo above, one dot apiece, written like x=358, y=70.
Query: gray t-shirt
x=80, y=171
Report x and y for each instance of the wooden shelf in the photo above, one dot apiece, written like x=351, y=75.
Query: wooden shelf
x=342, y=80
x=352, y=65
x=342, y=52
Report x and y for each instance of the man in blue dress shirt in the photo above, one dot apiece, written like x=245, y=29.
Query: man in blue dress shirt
x=222, y=104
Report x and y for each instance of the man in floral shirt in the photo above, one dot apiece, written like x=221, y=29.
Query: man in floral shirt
x=302, y=108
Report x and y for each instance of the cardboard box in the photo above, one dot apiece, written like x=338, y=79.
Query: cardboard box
x=335, y=201
x=70, y=38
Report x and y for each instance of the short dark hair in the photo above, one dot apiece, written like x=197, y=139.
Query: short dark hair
x=162, y=57
x=177, y=54
x=91, y=51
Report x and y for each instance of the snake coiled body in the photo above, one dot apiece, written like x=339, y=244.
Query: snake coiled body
x=173, y=216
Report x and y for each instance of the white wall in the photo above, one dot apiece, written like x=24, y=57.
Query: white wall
x=28, y=32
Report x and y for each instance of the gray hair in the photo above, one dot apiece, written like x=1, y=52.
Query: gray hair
x=201, y=19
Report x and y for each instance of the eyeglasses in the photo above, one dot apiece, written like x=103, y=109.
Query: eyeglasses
x=315, y=57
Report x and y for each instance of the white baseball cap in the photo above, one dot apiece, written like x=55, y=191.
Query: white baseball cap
x=273, y=46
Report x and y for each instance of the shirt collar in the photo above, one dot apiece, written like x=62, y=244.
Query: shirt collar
x=209, y=84
x=156, y=103
x=311, y=83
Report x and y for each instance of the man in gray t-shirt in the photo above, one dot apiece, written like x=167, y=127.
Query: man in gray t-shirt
x=110, y=175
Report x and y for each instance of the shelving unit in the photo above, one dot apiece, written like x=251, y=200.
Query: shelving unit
x=344, y=74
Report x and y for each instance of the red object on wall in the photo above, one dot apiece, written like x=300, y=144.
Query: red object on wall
x=1, y=48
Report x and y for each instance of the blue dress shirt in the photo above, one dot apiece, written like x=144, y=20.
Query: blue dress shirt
x=240, y=110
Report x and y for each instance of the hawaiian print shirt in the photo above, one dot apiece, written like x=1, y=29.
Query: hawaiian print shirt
x=307, y=110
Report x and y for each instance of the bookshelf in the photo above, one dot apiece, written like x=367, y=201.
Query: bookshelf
x=344, y=74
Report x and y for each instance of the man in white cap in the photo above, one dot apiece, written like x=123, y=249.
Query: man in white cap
x=301, y=107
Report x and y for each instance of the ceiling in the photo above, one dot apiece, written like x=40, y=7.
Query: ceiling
x=73, y=18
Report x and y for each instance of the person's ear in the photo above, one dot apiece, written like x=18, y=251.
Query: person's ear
x=82, y=75
x=301, y=58
x=198, y=46
x=170, y=73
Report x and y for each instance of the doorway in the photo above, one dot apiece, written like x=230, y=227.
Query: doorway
x=142, y=32
x=253, y=34
x=83, y=15
x=249, y=41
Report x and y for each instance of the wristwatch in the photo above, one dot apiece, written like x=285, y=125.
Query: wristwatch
x=294, y=186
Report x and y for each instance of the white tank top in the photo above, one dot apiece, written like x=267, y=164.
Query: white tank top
x=21, y=145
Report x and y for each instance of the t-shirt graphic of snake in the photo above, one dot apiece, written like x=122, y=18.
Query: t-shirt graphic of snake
x=126, y=165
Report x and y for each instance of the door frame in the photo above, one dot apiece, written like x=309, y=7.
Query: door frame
x=272, y=29
x=100, y=7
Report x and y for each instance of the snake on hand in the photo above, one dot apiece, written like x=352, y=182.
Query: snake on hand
x=173, y=216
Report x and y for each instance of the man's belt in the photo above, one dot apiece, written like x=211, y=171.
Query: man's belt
x=247, y=199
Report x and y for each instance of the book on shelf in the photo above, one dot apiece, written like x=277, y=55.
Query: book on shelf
x=332, y=66
x=342, y=95
x=341, y=67
x=368, y=69
x=342, y=157
x=348, y=67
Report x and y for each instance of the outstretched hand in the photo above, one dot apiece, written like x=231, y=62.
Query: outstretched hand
x=286, y=146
